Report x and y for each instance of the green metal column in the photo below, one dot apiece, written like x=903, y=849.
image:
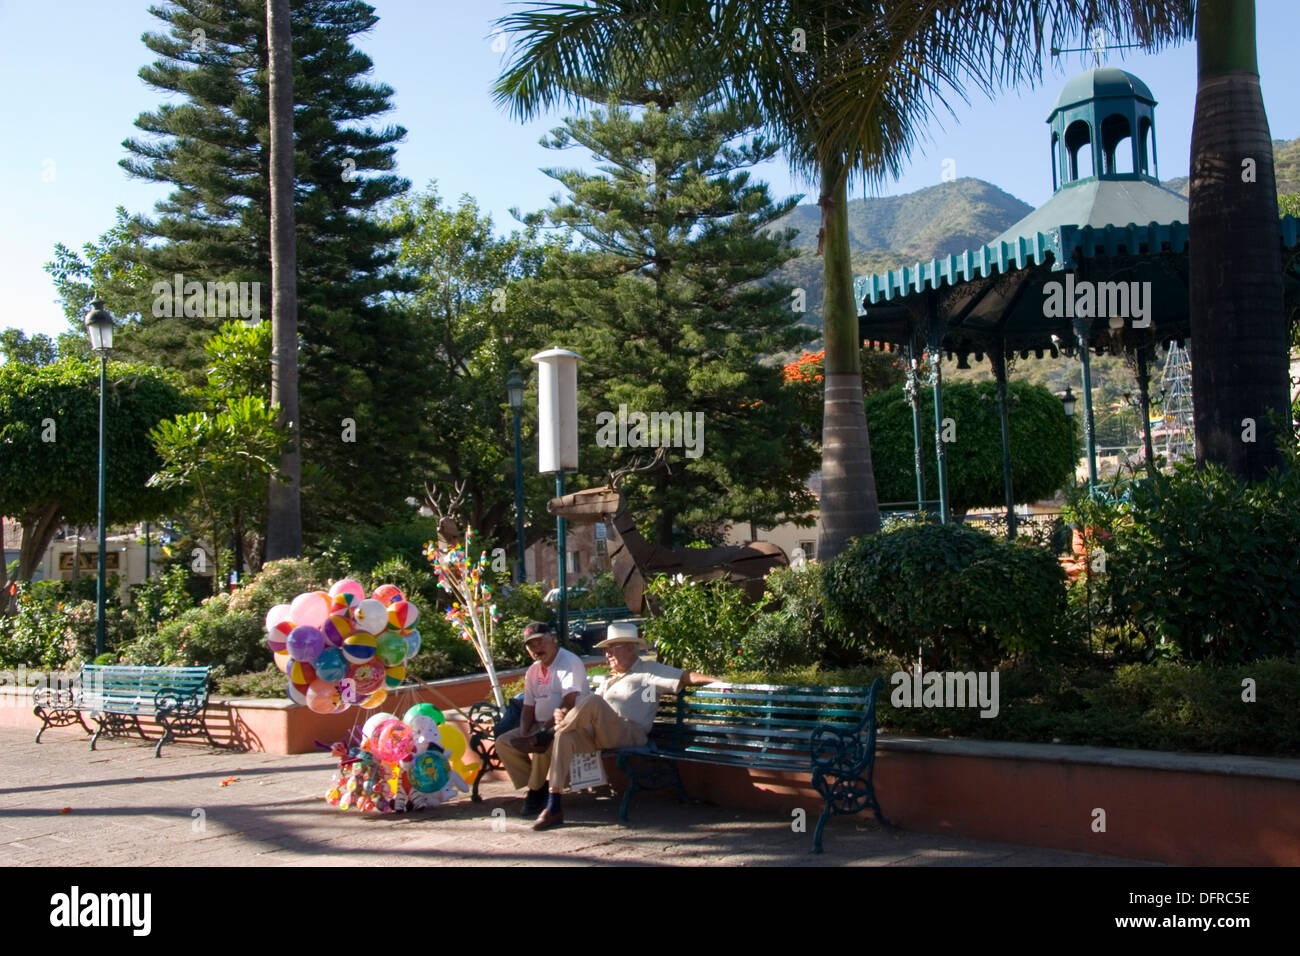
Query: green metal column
x=101, y=592
x=913, y=391
x=1081, y=327
x=1144, y=398
x=564, y=588
x=936, y=384
x=520, y=566
x=998, y=359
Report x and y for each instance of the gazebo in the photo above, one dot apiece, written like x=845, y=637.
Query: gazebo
x=1100, y=267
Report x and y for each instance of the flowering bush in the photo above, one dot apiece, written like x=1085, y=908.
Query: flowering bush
x=697, y=625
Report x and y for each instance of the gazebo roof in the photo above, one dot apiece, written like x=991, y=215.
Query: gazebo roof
x=1105, y=81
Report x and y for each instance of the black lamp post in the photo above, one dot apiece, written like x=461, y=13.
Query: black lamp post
x=515, y=392
x=99, y=327
x=1067, y=401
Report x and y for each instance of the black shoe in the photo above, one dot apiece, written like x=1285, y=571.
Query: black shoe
x=534, y=802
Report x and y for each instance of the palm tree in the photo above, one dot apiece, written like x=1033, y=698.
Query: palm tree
x=846, y=89
x=1239, y=323
x=284, y=510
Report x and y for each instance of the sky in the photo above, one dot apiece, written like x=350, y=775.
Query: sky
x=69, y=69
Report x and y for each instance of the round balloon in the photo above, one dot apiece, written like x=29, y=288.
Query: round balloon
x=337, y=629
x=453, y=741
x=395, y=742
x=424, y=710
x=305, y=643
x=394, y=676
x=323, y=697
x=331, y=665
x=347, y=592
x=412, y=643
x=372, y=723
x=402, y=615
x=430, y=771
x=425, y=730
x=391, y=649
x=282, y=660
x=301, y=674
x=369, y=677
x=371, y=617
x=296, y=694
x=375, y=699
x=388, y=593
x=359, y=648
x=312, y=608
x=279, y=622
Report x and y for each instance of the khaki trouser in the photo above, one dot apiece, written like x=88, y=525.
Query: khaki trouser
x=524, y=768
x=592, y=725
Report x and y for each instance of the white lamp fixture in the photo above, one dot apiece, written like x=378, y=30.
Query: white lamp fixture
x=557, y=410
x=99, y=327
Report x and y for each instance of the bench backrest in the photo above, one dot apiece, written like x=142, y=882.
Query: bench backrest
x=761, y=724
x=122, y=689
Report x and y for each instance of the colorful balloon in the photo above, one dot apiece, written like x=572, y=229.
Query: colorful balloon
x=412, y=643
x=391, y=649
x=388, y=593
x=402, y=615
x=359, y=648
x=371, y=617
x=375, y=699
x=347, y=592
x=430, y=771
x=279, y=622
x=337, y=629
x=424, y=710
x=296, y=694
x=395, y=742
x=301, y=674
x=311, y=609
x=373, y=723
x=282, y=659
x=305, y=643
x=394, y=676
x=331, y=665
x=323, y=697
x=369, y=677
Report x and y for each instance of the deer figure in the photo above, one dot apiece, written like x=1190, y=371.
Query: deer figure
x=635, y=560
x=449, y=531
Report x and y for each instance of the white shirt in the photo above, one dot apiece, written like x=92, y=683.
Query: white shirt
x=545, y=689
x=634, y=694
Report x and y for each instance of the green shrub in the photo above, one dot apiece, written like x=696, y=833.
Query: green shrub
x=49, y=632
x=346, y=550
x=419, y=585
x=966, y=597
x=279, y=582
x=697, y=625
x=166, y=595
x=791, y=628
x=1209, y=563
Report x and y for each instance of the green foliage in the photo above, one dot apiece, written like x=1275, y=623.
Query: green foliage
x=49, y=429
x=348, y=549
x=1207, y=562
x=1042, y=449
x=164, y=596
x=603, y=591
x=697, y=626
x=1163, y=706
x=667, y=300
x=279, y=582
x=16, y=346
x=967, y=597
x=791, y=629
x=519, y=606
x=417, y=584
x=50, y=630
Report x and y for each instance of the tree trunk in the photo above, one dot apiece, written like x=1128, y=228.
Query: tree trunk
x=1239, y=326
x=284, y=507
x=849, y=507
x=38, y=530
x=4, y=571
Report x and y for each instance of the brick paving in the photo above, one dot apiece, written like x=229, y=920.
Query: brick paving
x=63, y=805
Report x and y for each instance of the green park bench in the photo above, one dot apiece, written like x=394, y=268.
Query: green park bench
x=828, y=731
x=117, y=697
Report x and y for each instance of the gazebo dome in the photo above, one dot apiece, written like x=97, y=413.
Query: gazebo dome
x=1106, y=81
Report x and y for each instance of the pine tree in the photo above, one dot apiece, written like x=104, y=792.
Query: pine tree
x=215, y=227
x=669, y=305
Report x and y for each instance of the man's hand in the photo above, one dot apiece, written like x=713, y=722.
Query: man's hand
x=560, y=714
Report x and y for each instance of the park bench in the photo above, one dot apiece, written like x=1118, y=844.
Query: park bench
x=829, y=732
x=117, y=697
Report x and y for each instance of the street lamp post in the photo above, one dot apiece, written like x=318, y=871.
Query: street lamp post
x=515, y=392
x=99, y=327
x=557, y=442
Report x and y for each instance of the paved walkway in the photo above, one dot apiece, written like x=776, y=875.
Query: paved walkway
x=62, y=805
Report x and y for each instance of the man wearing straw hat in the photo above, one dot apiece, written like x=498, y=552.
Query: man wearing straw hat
x=617, y=715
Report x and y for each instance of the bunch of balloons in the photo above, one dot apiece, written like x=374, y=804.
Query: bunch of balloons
x=339, y=647
x=408, y=764
x=473, y=610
